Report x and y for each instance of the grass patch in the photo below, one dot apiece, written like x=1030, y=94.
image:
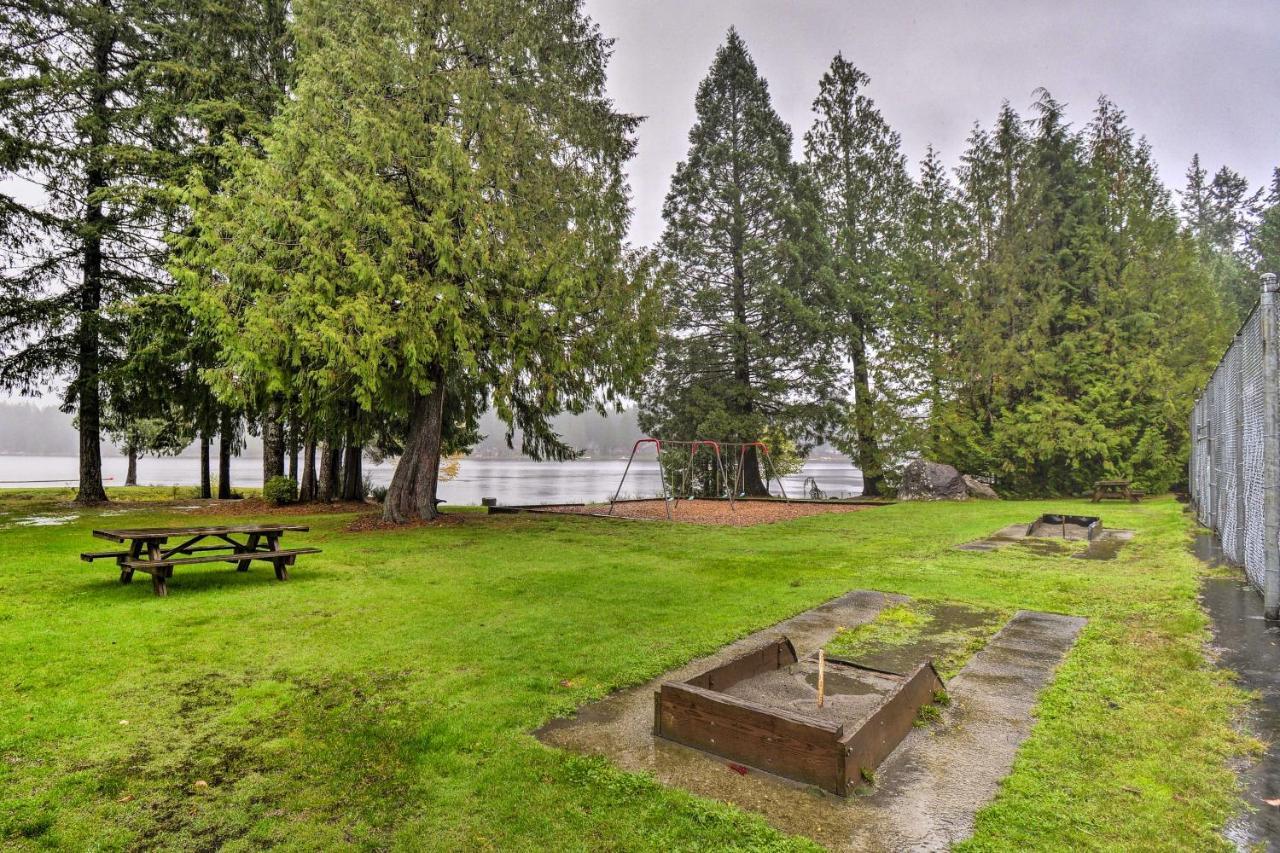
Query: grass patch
x=894, y=626
x=947, y=632
x=383, y=697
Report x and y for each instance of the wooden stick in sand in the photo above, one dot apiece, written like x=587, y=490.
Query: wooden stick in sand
x=822, y=663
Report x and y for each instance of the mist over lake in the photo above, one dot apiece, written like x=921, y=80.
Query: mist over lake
x=511, y=481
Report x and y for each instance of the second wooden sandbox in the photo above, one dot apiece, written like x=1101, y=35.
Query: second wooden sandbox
x=761, y=709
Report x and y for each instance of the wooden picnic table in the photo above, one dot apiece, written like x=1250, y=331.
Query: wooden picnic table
x=149, y=550
x=1116, y=490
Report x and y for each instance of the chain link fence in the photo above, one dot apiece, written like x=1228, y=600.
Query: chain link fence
x=1234, y=472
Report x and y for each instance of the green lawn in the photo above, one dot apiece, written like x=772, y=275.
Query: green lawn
x=384, y=696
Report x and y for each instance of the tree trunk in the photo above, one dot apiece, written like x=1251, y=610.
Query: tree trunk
x=353, y=474
x=226, y=439
x=412, y=492
x=335, y=490
x=131, y=476
x=868, y=450
x=205, y=491
x=741, y=402
x=307, y=486
x=88, y=354
x=293, y=450
x=752, y=483
x=329, y=455
x=272, y=442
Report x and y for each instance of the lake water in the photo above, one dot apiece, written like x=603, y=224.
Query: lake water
x=511, y=481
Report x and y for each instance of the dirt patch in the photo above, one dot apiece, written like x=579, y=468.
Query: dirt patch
x=372, y=521
x=739, y=514
x=257, y=506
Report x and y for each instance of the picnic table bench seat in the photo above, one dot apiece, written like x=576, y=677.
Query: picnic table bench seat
x=149, y=551
x=234, y=557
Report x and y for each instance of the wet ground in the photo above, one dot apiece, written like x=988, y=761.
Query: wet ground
x=927, y=792
x=951, y=632
x=1247, y=644
x=741, y=513
x=1054, y=541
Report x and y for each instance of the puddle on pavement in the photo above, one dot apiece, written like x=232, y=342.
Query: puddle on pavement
x=1045, y=547
x=838, y=684
x=1245, y=643
x=1207, y=547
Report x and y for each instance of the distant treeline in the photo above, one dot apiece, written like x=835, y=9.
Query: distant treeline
x=1043, y=314
x=31, y=429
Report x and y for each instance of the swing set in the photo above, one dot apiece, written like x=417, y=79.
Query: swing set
x=671, y=495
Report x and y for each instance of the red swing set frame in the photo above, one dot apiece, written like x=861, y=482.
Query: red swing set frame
x=669, y=496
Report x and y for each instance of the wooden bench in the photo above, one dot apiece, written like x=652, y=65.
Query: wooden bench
x=148, y=551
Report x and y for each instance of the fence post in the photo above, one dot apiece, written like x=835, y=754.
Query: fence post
x=1267, y=314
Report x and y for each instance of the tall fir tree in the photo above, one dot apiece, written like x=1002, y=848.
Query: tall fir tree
x=855, y=161
x=1264, y=243
x=78, y=129
x=1081, y=357
x=440, y=210
x=929, y=323
x=743, y=357
x=1220, y=214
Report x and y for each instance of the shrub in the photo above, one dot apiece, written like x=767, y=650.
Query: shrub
x=280, y=491
x=378, y=493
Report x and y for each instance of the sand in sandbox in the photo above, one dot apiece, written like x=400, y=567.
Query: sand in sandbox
x=851, y=694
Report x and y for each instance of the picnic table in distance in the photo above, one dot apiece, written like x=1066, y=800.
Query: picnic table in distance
x=1116, y=490
x=149, y=550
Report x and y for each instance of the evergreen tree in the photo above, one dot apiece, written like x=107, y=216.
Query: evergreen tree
x=1264, y=243
x=440, y=210
x=990, y=178
x=856, y=163
x=1196, y=206
x=930, y=315
x=743, y=357
x=225, y=69
x=1220, y=214
x=1081, y=358
x=77, y=127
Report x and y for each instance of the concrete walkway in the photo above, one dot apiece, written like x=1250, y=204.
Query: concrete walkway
x=927, y=791
x=1247, y=645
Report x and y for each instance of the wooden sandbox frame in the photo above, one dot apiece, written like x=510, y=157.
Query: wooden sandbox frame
x=808, y=749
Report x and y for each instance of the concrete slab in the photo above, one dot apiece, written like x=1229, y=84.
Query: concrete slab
x=927, y=791
x=1060, y=540
x=1244, y=642
x=933, y=785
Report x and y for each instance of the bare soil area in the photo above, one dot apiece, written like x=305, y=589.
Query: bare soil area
x=740, y=514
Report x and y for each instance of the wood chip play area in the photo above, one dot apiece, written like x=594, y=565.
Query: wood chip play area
x=741, y=513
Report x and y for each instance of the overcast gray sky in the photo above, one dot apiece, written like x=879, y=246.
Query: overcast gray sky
x=1192, y=76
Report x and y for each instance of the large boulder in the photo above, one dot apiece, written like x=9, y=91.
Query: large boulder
x=923, y=480
x=975, y=488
